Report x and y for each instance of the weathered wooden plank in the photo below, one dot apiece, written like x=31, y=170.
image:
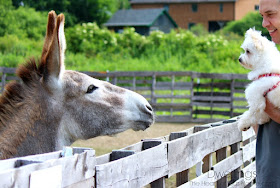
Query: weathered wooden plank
x=8, y=70
x=205, y=104
x=172, y=96
x=228, y=165
x=213, y=112
x=248, y=134
x=118, y=154
x=176, y=119
x=120, y=174
x=249, y=151
x=171, y=105
x=181, y=177
x=49, y=177
x=74, y=169
x=212, y=98
x=220, y=155
x=88, y=183
x=185, y=152
x=10, y=163
x=237, y=184
x=235, y=175
x=218, y=171
x=177, y=109
x=249, y=173
x=205, y=180
x=207, y=163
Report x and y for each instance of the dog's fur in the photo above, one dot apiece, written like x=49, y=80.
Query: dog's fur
x=261, y=57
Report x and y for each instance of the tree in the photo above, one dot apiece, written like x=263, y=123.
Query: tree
x=5, y=8
x=78, y=11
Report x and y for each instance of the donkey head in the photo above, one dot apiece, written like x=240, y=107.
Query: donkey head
x=88, y=107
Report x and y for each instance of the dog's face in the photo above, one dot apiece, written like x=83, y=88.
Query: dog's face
x=254, y=48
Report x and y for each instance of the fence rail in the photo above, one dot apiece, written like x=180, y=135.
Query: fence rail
x=178, y=96
x=220, y=154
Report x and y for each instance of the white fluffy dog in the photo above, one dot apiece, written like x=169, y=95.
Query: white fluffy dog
x=263, y=59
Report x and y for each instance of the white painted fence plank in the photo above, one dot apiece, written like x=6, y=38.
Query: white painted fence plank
x=183, y=153
x=47, y=178
x=249, y=173
x=74, y=169
x=206, y=180
x=227, y=165
x=249, y=151
x=10, y=163
x=248, y=134
x=88, y=183
x=135, y=170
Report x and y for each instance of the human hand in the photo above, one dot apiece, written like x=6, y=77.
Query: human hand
x=272, y=111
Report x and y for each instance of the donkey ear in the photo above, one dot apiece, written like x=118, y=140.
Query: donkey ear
x=49, y=33
x=53, y=51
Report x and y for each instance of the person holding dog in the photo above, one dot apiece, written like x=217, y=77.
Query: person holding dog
x=268, y=135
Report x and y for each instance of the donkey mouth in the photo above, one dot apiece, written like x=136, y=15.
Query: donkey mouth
x=142, y=125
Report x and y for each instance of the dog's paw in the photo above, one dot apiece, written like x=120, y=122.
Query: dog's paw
x=242, y=126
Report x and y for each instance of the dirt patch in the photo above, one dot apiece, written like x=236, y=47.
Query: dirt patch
x=105, y=144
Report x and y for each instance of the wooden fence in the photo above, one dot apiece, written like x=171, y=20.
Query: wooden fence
x=178, y=96
x=220, y=155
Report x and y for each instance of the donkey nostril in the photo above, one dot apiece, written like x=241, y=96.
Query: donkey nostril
x=149, y=108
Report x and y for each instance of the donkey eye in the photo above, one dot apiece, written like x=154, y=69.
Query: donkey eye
x=91, y=88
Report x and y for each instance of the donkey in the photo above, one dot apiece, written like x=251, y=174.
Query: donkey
x=52, y=107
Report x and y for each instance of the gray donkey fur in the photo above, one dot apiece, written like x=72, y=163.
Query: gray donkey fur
x=52, y=107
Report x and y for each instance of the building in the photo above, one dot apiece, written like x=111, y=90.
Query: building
x=143, y=20
x=213, y=14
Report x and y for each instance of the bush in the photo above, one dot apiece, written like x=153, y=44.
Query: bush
x=251, y=20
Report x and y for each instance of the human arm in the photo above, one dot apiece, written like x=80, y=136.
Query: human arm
x=272, y=111
x=256, y=127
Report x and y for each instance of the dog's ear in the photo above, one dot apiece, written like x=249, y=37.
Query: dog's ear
x=257, y=40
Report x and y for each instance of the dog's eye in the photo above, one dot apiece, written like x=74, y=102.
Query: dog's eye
x=247, y=51
x=91, y=88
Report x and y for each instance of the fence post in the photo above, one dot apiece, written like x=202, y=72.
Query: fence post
x=191, y=98
x=153, y=100
x=3, y=81
x=149, y=143
x=221, y=154
x=172, y=93
x=231, y=97
x=235, y=175
x=181, y=177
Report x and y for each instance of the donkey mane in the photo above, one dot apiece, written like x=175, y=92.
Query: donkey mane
x=14, y=93
x=13, y=99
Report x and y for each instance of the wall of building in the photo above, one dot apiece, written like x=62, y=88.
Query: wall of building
x=207, y=12
x=184, y=16
x=243, y=7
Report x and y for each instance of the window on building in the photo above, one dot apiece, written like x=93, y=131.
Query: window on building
x=166, y=7
x=257, y=7
x=194, y=7
x=221, y=7
x=190, y=25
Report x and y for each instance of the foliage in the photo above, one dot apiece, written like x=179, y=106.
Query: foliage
x=251, y=20
x=92, y=48
x=98, y=11
x=5, y=7
x=24, y=22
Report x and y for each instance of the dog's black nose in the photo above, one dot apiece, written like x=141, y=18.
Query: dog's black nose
x=239, y=59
